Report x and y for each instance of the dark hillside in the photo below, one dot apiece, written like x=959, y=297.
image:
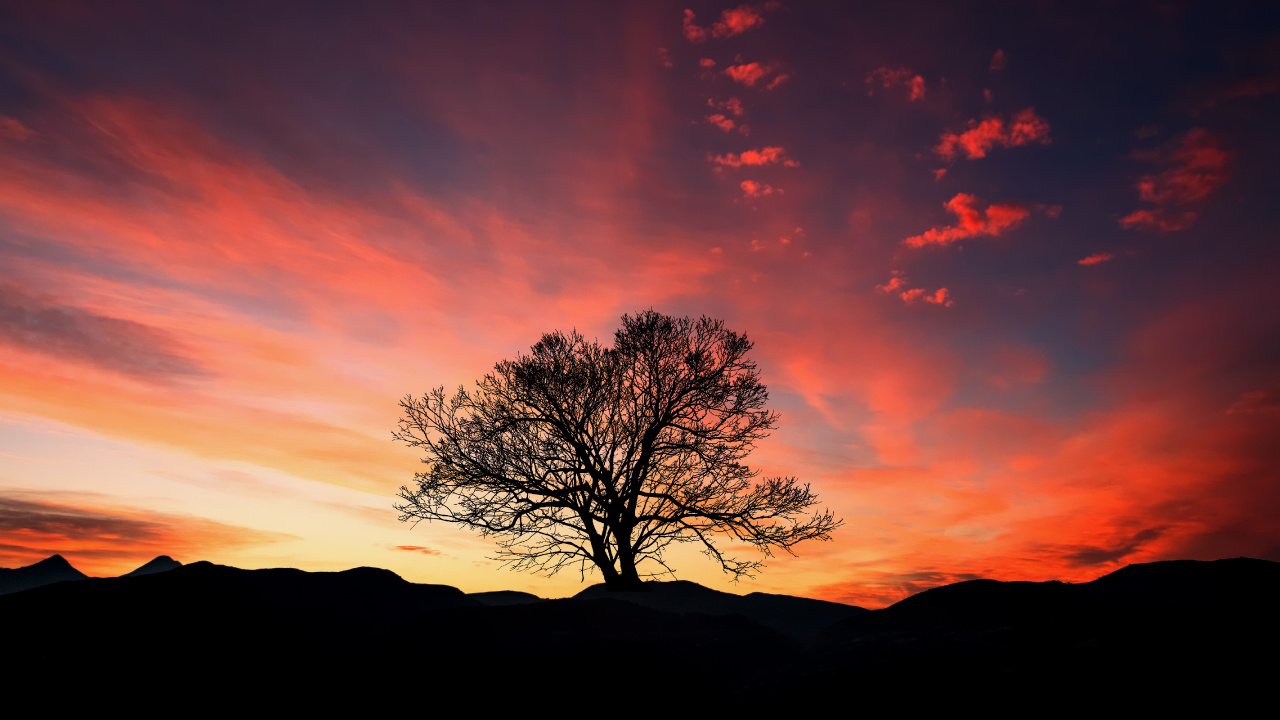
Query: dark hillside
x=53, y=569
x=796, y=617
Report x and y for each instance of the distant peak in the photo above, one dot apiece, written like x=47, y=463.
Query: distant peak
x=162, y=563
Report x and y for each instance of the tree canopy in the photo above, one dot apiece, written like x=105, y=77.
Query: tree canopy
x=582, y=455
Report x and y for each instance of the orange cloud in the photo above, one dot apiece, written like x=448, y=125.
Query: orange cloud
x=763, y=156
x=1026, y=127
x=973, y=221
x=892, y=77
x=1096, y=258
x=418, y=549
x=752, y=189
x=939, y=297
x=1199, y=168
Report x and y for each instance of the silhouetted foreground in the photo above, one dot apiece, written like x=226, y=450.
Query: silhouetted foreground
x=1160, y=634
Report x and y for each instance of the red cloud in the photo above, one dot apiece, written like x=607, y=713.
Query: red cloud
x=733, y=105
x=1200, y=167
x=763, y=156
x=998, y=60
x=973, y=221
x=692, y=32
x=1096, y=258
x=737, y=21
x=893, y=77
x=910, y=296
x=707, y=63
x=732, y=22
x=777, y=80
x=751, y=189
x=1026, y=127
x=751, y=73
x=1158, y=220
x=721, y=122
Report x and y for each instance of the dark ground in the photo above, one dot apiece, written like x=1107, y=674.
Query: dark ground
x=1170, y=635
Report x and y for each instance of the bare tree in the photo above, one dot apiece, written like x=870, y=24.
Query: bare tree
x=583, y=455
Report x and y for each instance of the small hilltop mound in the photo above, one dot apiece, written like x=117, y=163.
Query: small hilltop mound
x=795, y=617
x=498, y=598
x=163, y=563
x=51, y=570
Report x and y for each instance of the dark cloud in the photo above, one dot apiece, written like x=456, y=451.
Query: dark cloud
x=1092, y=555
x=33, y=529
x=75, y=333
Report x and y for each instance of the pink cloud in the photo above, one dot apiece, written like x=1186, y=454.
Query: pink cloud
x=894, y=77
x=1199, y=168
x=1096, y=258
x=13, y=129
x=664, y=56
x=1026, y=127
x=973, y=221
x=763, y=156
x=707, y=63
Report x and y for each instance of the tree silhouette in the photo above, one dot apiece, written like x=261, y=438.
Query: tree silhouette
x=578, y=454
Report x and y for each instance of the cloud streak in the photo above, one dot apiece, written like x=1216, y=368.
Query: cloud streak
x=1199, y=167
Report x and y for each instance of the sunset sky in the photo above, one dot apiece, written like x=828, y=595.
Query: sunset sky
x=1012, y=270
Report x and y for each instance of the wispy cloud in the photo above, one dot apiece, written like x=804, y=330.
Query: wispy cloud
x=887, y=77
x=1199, y=167
x=1095, y=259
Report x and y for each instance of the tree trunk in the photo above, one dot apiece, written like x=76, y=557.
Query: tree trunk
x=626, y=579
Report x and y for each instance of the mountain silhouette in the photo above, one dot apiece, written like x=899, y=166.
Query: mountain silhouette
x=1161, y=635
x=53, y=569
x=162, y=563
x=796, y=617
